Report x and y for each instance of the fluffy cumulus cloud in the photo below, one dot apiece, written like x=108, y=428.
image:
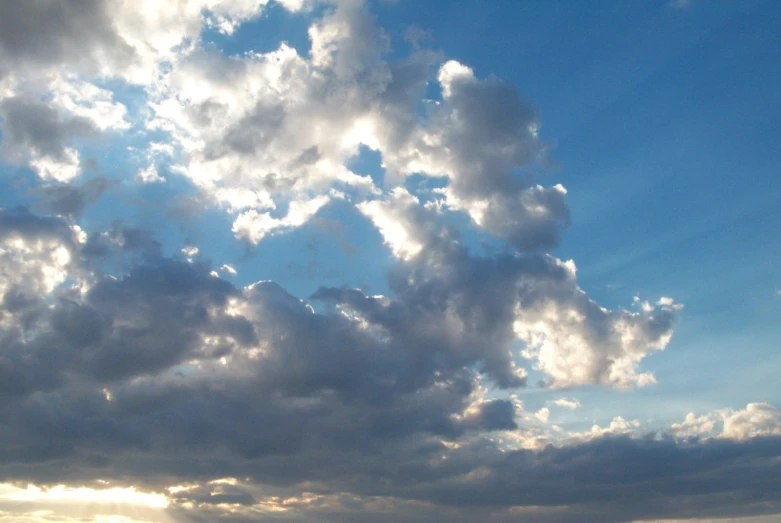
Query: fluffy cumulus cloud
x=481, y=136
x=757, y=419
x=490, y=304
x=146, y=377
x=37, y=255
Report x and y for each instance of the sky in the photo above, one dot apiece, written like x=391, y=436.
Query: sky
x=405, y=261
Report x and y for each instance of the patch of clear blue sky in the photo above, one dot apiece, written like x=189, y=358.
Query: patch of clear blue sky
x=264, y=33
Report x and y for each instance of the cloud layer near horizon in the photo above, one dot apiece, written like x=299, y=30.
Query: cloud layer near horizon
x=123, y=364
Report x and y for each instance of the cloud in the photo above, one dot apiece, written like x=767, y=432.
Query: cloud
x=618, y=427
x=491, y=303
x=46, y=45
x=757, y=419
x=566, y=403
x=36, y=132
x=253, y=226
x=242, y=401
x=45, y=33
x=154, y=377
x=67, y=199
x=124, y=244
x=575, y=341
x=300, y=118
x=36, y=256
x=479, y=136
x=111, y=37
x=543, y=414
x=394, y=219
x=149, y=174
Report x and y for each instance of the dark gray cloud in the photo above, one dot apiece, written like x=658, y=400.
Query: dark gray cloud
x=24, y=224
x=68, y=199
x=626, y=478
x=33, y=127
x=491, y=133
x=168, y=375
x=217, y=494
x=494, y=415
x=255, y=130
x=142, y=324
x=124, y=243
x=53, y=32
x=481, y=135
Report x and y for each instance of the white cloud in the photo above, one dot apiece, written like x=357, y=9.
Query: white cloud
x=543, y=414
x=88, y=101
x=149, y=174
x=253, y=226
x=257, y=130
x=391, y=218
x=62, y=169
x=295, y=5
x=757, y=419
x=158, y=32
x=232, y=116
x=57, y=49
x=618, y=426
x=566, y=403
x=453, y=72
x=33, y=265
x=576, y=342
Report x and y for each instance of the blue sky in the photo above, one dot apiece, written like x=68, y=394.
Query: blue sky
x=350, y=260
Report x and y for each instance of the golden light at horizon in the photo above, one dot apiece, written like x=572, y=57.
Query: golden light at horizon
x=65, y=494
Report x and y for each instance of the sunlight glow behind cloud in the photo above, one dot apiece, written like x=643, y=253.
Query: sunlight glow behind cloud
x=63, y=493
